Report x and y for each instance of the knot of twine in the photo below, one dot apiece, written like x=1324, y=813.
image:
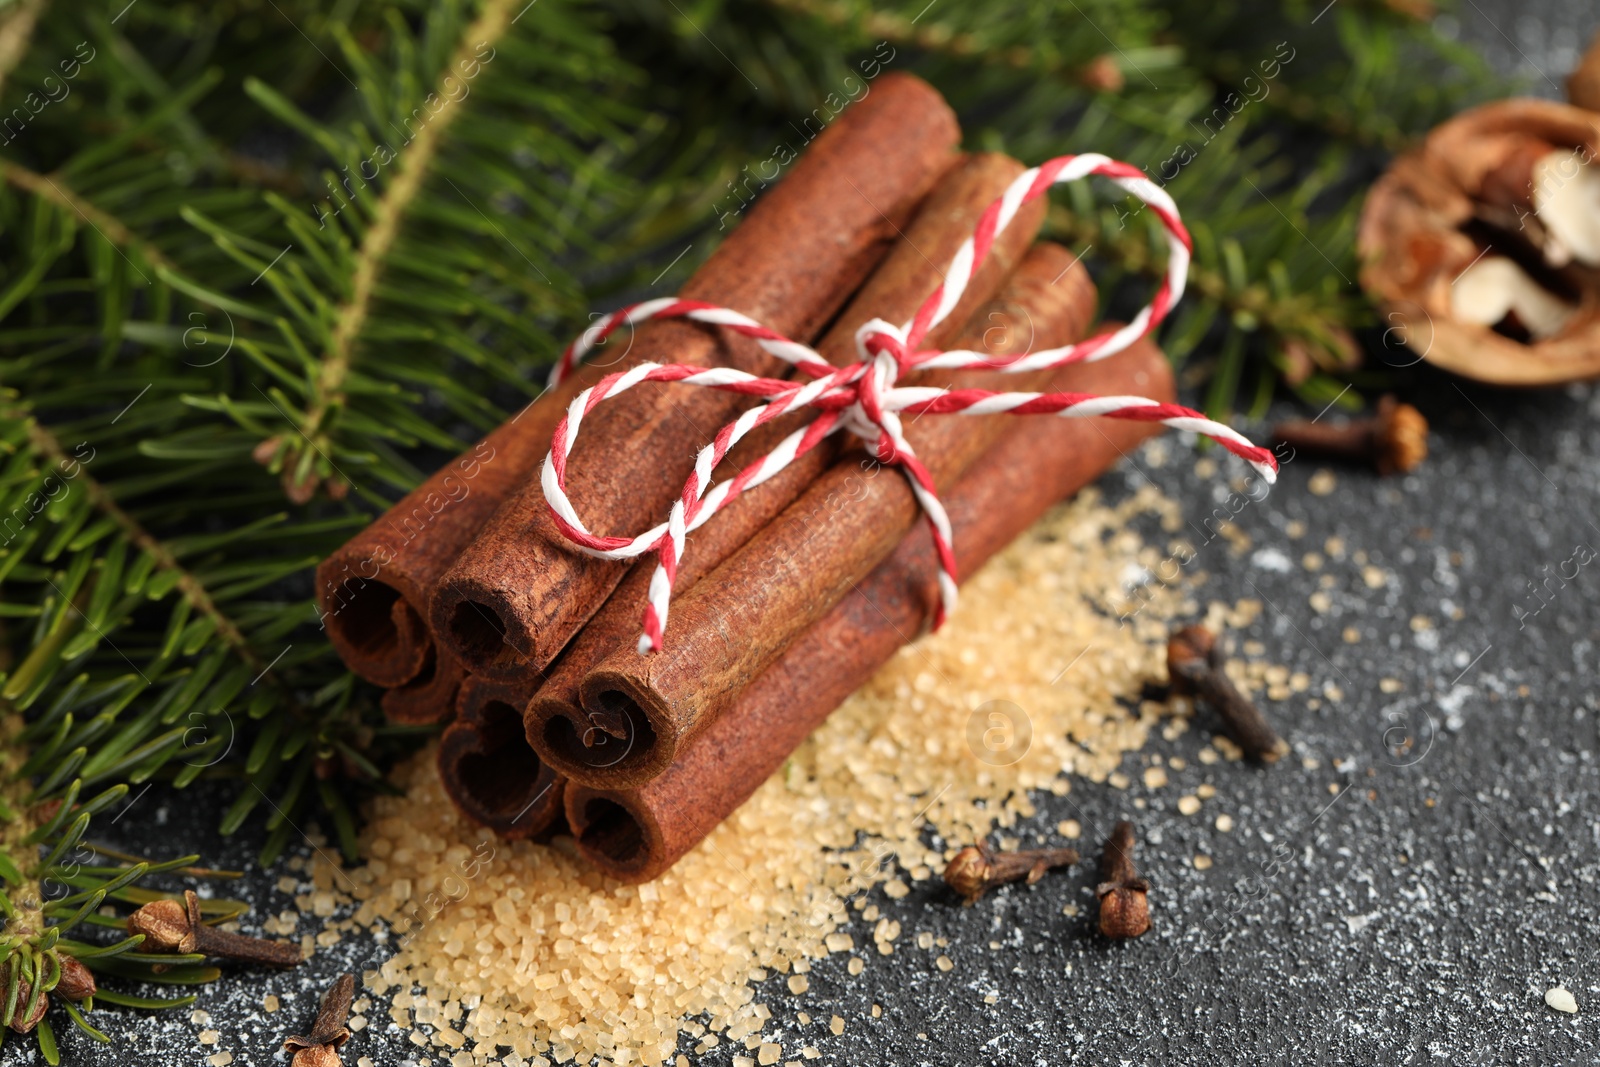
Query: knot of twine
x=863, y=398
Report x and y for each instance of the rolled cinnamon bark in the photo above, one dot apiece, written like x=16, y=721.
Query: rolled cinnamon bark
x=634, y=835
x=567, y=737
x=489, y=772
x=373, y=592
x=429, y=697
x=729, y=627
x=520, y=592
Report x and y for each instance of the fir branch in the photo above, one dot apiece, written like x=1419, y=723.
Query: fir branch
x=107, y=225
x=1130, y=250
x=328, y=391
x=48, y=447
x=1103, y=72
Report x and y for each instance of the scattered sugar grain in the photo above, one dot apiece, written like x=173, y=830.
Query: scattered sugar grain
x=1202, y=863
x=944, y=963
x=1224, y=823
x=798, y=983
x=1188, y=805
x=222, y=1059
x=208, y=1037
x=836, y=1025
x=1561, y=999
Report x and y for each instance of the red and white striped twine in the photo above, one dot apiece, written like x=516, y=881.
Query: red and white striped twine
x=863, y=398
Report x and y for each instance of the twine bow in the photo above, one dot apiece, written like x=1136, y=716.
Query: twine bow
x=863, y=397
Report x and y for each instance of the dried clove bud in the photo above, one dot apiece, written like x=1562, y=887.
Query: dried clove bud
x=328, y=1032
x=1194, y=668
x=169, y=926
x=1124, y=896
x=1394, y=439
x=978, y=868
x=76, y=982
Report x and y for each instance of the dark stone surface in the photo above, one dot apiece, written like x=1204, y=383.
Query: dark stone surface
x=1403, y=888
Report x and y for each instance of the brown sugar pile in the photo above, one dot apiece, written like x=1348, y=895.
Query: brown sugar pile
x=516, y=953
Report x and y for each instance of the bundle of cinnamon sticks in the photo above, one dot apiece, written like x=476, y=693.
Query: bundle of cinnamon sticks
x=467, y=602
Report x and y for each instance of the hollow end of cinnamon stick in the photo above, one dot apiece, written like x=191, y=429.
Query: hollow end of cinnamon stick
x=376, y=629
x=576, y=740
x=430, y=696
x=579, y=747
x=483, y=628
x=619, y=836
x=490, y=772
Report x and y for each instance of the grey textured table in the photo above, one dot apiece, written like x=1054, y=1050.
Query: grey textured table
x=1372, y=904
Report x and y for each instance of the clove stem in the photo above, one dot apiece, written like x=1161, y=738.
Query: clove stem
x=978, y=868
x=1194, y=667
x=169, y=926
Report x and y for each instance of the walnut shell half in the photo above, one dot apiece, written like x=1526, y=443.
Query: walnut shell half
x=1505, y=190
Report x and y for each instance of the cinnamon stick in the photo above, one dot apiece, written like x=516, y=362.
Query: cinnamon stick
x=730, y=626
x=489, y=772
x=570, y=739
x=429, y=697
x=520, y=592
x=634, y=835
x=373, y=592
